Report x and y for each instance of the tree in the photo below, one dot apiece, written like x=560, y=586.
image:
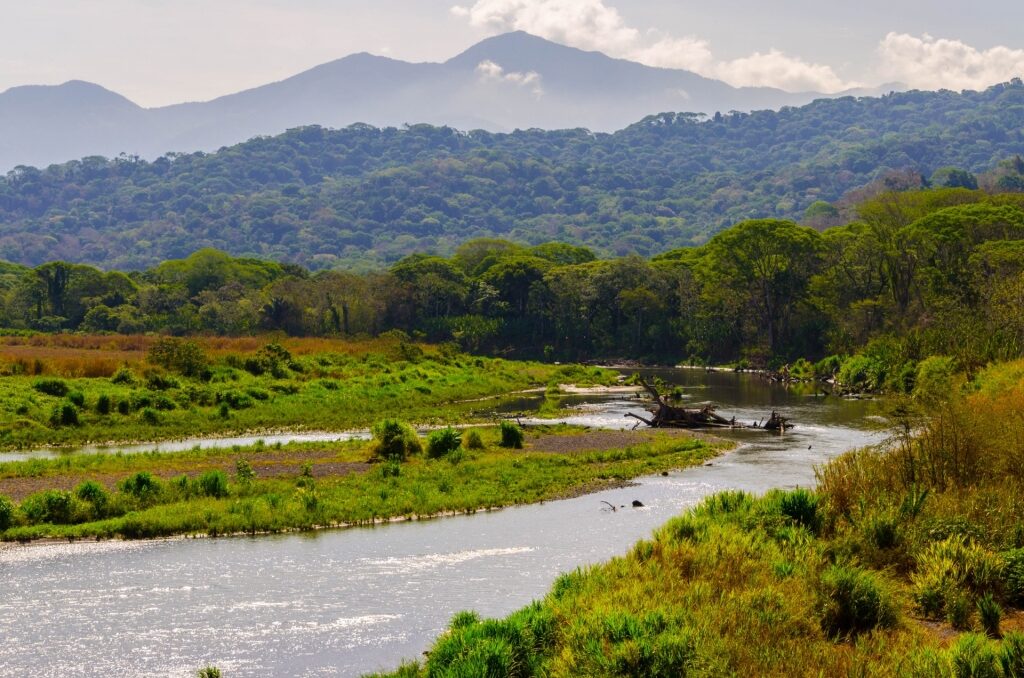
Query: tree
x=767, y=261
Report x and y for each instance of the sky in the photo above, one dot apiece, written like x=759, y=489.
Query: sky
x=159, y=52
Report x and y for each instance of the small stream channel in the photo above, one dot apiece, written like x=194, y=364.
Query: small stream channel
x=346, y=602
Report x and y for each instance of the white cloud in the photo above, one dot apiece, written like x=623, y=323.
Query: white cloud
x=780, y=70
x=592, y=24
x=492, y=72
x=933, y=63
x=587, y=24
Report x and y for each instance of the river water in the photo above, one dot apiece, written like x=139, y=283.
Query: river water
x=346, y=602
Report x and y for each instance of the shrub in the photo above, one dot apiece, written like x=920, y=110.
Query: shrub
x=801, y=506
x=395, y=440
x=990, y=614
x=208, y=672
x=441, y=443
x=6, y=513
x=123, y=376
x=94, y=493
x=974, y=657
x=143, y=486
x=862, y=373
x=103, y=404
x=77, y=398
x=934, y=379
x=511, y=435
x=124, y=407
x=852, y=601
x=236, y=400
x=185, y=357
x=1013, y=575
x=958, y=610
x=52, y=387
x=159, y=382
x=214, y=484
x=926, y=662
x=473, y=441
x=49, y=506
x=828, y=367
x=244, y=472
x=64, y=414
x=949, y=566
x=1011, y=655
x=150, y=416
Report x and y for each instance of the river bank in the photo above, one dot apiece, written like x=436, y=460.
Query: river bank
x=276, y=605
x=262, y=490
x=907, y=560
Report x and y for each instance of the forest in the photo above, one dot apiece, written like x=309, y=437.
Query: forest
x=916, y=273
x=361, y=198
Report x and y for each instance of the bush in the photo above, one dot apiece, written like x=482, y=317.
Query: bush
x=150, y=416
x=395, y=440
x=6, y=513
x=473, y=441
x=49, y=506
x=77, y=398
x=185, y=357
x=951, y=566
x=852, y=601
x=511, y=435
x=92, y=492
x=123, y=376
x=52, y=387
x=441, y=443
x=159, y=382
x=64, y=414
x=801, y=506
x=124, y=407
x=862, y=373
x=1013, y=575
x=236, y=400
x=143, y=486
x=990, y=614
x=958, y=610
x=934, y=379
x=1011, y=655
x=974, y=657
x=103, y=404
x=244, y=472
x=828, y=367
x=214, y=484
x=208, y=672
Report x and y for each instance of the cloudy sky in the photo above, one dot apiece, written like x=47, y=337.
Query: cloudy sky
x=157, y=52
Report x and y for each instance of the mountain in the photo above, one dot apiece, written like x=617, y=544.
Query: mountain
x=365, y=196
x=512, y=81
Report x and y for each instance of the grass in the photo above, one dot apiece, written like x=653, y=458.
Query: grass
x=190, y=493
x=906, y=561
x=243, y=386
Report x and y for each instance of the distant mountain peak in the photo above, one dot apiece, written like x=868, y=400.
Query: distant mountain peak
x=532, y=82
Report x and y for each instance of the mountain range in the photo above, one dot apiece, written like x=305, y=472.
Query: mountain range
x=512, y=81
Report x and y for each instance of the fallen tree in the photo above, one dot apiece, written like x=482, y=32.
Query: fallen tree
x=665, y=415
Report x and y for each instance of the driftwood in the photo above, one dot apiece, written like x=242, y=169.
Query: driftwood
x=665, y=415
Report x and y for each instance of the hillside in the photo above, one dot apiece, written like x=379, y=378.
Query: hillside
x=363, y=196
x=506, y=82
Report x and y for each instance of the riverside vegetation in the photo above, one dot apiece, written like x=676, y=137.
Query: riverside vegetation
x=907, y=560
x=122, y=389
x=304, y=486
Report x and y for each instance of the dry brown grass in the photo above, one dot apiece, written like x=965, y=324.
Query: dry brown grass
x=100, y=355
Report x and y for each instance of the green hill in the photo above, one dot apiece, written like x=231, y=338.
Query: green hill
x=363, y=196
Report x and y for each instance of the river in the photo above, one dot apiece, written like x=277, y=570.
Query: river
x=345, y=602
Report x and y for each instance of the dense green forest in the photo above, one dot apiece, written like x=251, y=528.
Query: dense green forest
x=363, y=197
x=918, y=273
